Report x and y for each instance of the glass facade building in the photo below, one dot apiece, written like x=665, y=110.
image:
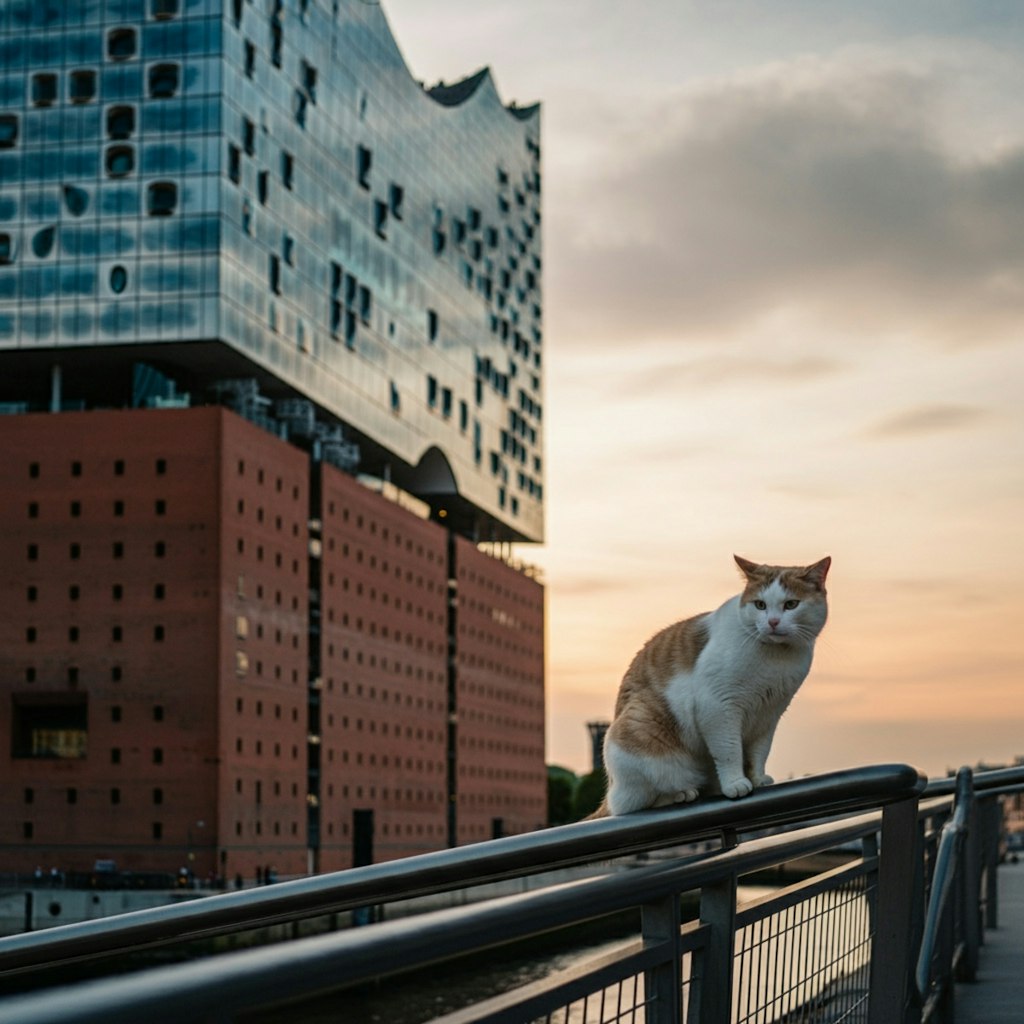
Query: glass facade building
x=201, y=198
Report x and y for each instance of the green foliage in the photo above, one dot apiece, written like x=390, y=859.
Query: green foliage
x=561, y=789
x=589, y=794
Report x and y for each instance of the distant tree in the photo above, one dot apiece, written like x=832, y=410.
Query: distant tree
x=561, y=789
x=589, y=793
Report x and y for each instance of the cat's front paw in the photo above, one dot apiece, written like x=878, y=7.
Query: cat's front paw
x=735, y=788
x=761, y=780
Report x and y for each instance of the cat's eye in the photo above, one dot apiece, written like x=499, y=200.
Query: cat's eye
x=791, y=604
x=760, y=605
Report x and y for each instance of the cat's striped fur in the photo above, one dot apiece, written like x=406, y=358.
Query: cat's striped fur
x=699, y=704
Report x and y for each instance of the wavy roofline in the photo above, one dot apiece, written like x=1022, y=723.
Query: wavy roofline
x=453, y=95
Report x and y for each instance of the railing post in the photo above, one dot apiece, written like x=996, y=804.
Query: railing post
x=990, y=815
x=711, y=983
x=892, y=959
x=967, y=967
x=663, y=985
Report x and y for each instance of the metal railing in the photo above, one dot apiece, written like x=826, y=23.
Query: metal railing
x=839, y=946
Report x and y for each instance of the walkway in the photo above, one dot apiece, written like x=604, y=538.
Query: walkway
x=997, y=997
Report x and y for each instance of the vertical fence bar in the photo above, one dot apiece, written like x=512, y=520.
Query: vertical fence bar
x=967, y=968
x=990, y=814
x=892, y=962
x=663, y=984
x=711, y=988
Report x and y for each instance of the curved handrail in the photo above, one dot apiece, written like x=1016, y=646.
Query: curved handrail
x=951, y=843
x=799, y=800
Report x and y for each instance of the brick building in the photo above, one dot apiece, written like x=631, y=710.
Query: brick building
x=169, y=592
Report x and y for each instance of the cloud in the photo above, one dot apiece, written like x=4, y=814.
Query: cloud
x=924, y=420
x=836, y=187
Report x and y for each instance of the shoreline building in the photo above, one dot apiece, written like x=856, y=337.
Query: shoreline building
x=271, y=370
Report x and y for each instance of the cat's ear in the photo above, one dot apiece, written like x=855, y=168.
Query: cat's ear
x=816, y=573
x=748, y=568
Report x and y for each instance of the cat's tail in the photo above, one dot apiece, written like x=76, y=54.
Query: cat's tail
x=601, y=812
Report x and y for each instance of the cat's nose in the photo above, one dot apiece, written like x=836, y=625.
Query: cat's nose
x=774, y=622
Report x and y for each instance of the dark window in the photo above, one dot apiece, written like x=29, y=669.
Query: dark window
x=432, y=325
x=158, y=795
x=365, y=303
x=115, y=795
x=82, y=86
x=30, y=794
x=52, y=727
x=336, y=316
x=236, y=12
x=164, y=9
x=162, y=198
x=275, y=273
x=120, y=122
x=276, y=43
x=72, y=795
x=115, y=755
x=73, y=634
x=115, y=713
x=42, y=242
x=6, y=248
x=118, y=283
x=44, y=88
x=121, y=43
x=33, y=552
x=234, y=163
x=262, y=186
x=118, y=549
x=159, y=549
x=249, y=136
x=30, y=635
x=8, y=130
x=75, y=551
x=380, y=218
x=287, y=169
x=309, y=76
x=337, y=275
x=158, y=830
x=299, y=104
x=158, y=755
x=119, y=161
x=250, y=58
x=158, y=633
x=26, y=830
x=76, y=199
x=364, y=161
x=288, y=250
x=33, y=469
x=161, y=467
x=159, y=591
x=396, y=199
x=117, y=634
x=33, y=593
x=76, y=509
x=160, y=507
x=158, y=713
x=163, y=80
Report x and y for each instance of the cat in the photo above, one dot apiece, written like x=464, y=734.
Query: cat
x=699, y=704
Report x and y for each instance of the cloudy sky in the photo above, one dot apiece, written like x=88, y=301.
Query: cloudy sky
x=784, y=303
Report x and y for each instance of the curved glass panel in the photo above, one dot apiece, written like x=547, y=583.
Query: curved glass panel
x=118, y=279
x=42, y=242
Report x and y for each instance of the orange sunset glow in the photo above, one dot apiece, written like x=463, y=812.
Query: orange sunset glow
x=784, y=307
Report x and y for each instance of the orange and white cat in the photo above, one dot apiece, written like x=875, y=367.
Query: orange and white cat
x=699, y=704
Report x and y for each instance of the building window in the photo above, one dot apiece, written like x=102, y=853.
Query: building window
x=121, y=44
x=158, y=796
x=115, y=795
x=42, y=242
x=115, y=755
x=159, y=549
x=118, y=283
x=26, y=830
x=158, y=755
x=164, y=9
x=6, y=248
x=162, y=198
x=117, y=591
x=234, y=163
x=82, y=87
x=158, y=830
x=8, y=130
x=364, y=161
x=263, y=186
x=158, y=633
x=161, y=467
x=249, y=136
x=250, y=58
x=120, y=122
x=275, y=273
x=116, y=634
x=118, y=549
x=276, y=43
x=431, y=325
x=287, y=169
x=396, y=200
x=299, y=104
x=54, y=729
x=158, y=712
x=44, y=88
x=380, y=218
x=159, y=591
x=163, y=81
